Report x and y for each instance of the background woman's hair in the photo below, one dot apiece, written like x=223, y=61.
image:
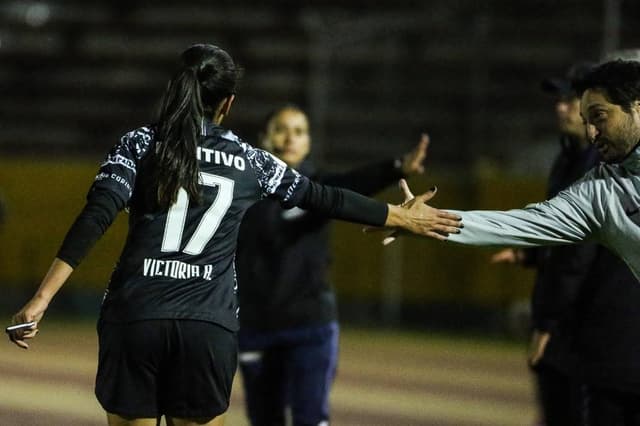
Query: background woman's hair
x=207, y=75
x=285, y=107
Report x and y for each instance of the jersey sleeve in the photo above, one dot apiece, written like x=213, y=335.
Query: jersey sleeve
x=117, y=174
x=92, y=222
x=109, y=193
x=573, y=215
x=276, y=179
x=279, y=181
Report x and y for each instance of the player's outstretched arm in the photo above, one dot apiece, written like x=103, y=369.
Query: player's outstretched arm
x=34, y=310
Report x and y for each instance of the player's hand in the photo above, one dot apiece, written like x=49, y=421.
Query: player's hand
x=408, y=196
x=33, y=311
x=509, y=256
x=539, y=341
x=415, y=216
x=412, y=161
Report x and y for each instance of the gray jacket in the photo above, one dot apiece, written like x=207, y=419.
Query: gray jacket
x=602, y=206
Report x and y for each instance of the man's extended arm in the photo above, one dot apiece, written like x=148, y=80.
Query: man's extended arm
x=567, y=218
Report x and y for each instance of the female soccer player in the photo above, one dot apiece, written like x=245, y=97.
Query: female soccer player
x=288, y=335
x=167, y=326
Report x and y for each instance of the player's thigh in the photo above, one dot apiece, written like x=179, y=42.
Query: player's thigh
x=116, y=420
x=197, y=378
x=218, y=421
x=130, y=356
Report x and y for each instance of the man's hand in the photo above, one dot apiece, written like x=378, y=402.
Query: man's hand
x=509, y=256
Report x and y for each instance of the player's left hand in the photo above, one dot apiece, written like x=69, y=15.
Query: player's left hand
x=33, y=311
x=412, y=161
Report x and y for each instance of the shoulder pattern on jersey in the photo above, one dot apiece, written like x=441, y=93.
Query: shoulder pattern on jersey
x=274, y=176
x=132, y=147
x=119, y=169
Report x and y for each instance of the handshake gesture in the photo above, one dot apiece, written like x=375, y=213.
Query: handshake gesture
x=415, y=216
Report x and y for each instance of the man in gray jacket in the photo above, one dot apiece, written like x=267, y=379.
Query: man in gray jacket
x=602, y=206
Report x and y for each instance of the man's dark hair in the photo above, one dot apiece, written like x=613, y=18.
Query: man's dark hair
x=619, y=79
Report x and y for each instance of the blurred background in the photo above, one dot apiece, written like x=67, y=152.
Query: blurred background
x=75, y=75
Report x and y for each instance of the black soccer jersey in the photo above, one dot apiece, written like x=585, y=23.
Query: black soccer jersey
x=179, y=263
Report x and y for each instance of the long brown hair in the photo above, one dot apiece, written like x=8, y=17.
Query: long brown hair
x=206, y=77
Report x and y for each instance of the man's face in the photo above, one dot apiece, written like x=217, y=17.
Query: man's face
x=614, y=132
x=288, y=136
x=568, y=113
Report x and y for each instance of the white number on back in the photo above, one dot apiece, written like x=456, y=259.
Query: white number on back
x=209, y=223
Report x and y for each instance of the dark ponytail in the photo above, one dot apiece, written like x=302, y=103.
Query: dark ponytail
x=206, y=77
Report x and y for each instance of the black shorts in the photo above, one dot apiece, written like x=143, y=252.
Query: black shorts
x=177, y=368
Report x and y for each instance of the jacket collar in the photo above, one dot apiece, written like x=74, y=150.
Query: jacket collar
x=632, y=162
